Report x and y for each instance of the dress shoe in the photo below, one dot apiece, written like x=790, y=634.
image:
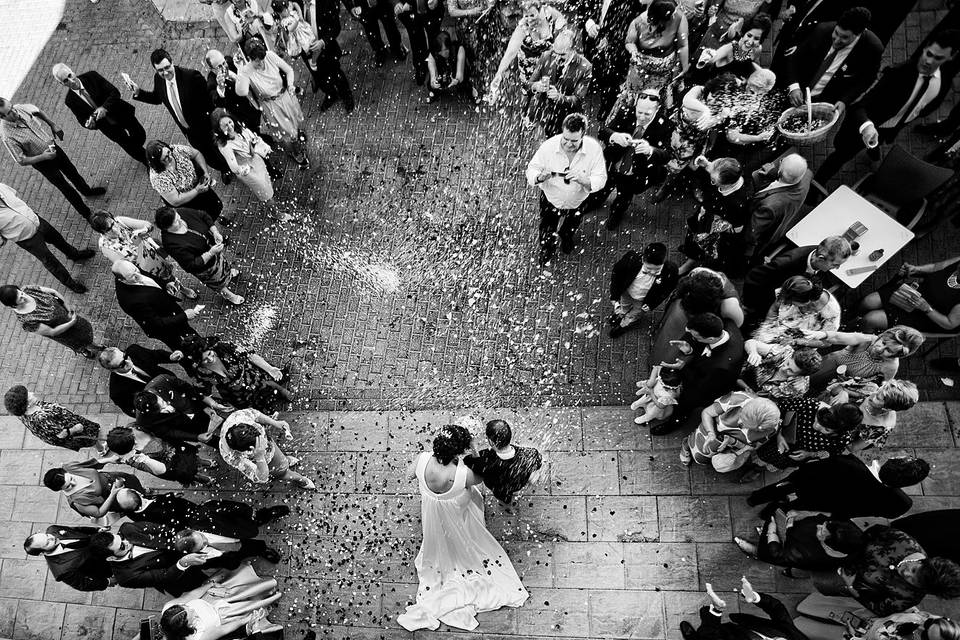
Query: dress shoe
x=328, y=102
x=567, y=245
x=614, y=319
x=945, y=365
x=660, y=195
x=226, y=177
x=613, y=222
x=687, y=631
x=77, y=287
x=96, y=192
x=545, y=257
x=420, y=77
x=348, y=103
x=83, y=254
x=269, y=514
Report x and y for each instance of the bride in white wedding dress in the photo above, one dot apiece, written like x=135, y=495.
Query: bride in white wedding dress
x=462, y=569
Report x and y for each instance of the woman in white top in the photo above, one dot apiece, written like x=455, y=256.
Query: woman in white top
x=213, y=610
x=461, y=567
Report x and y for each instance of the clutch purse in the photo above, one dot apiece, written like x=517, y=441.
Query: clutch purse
x=905, y=297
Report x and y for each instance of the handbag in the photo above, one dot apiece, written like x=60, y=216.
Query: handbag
x=905, y=297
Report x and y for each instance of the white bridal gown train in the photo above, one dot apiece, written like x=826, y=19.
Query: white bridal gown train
x=462, y=569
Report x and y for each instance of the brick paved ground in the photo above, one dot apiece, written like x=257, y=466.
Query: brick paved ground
x=409, y=284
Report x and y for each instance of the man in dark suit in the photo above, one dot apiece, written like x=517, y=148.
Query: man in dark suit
x=639, y=284
x=558, y=84
x=903, y=93
x=324, y=17
x=148, y=303
x=743, y=626
x=372, y=14
x=422, y=21
x=811, y=261
x=713, y=352
x=97, y=105
x=89, y=491
x=802, y=16
x=838, y=61
x=846, y=487
x=223, y=552
x=130, y=371
x=807, y=542
x=604, y=32
x=184, y=93
x=222, y=86
x=140, y=555
x=781, y=189
x=66, y=550
x=217, y=517
x=636, y=150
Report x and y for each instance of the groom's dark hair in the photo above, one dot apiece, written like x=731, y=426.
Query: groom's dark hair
x=499, y=433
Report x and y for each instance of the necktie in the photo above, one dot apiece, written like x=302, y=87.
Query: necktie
x=86, y=96
x=905, y=118
x=822, y=69
x=174, y=98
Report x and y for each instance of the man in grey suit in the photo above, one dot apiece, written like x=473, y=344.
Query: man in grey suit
x=781, y=189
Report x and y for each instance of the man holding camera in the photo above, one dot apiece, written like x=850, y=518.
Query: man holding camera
x=567, y=168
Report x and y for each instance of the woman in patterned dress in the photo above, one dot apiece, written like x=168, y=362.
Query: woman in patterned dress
x=657, y=43
x=778, y=370
x=727, y=19
x=532, y=38
x=866, y=356
x=44, y=311
x=811, y=430
x=182, y=178
x=246, y=446
x=471, y=20
x=178, y=462
x=801, y=306
x=243, y=379
x=737, y=423
x=272, y=82
x=131, y=239
x=50, y=422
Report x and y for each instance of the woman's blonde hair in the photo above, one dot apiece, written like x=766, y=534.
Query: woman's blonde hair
x=907, y=337
x=897, y=395
x=761, y=414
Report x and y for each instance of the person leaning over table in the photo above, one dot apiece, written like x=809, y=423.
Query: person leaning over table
x=865, y=355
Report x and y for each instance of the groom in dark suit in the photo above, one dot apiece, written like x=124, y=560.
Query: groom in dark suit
x=184, y=93
x=97, y=105
x=66, y=550
x=639, y=284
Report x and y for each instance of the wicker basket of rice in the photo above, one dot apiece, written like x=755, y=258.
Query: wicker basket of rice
x=794, y=124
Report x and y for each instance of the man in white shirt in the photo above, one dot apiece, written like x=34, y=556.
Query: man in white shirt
x=640, y=282
x=19, y=224
x=567, y=168
x=902, y=94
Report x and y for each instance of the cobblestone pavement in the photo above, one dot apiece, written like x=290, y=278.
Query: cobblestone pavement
x=408, y=283
x=408, y=280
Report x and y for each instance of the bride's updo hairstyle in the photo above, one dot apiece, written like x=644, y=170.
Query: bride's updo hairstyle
x=175, y=623
x=450, y=442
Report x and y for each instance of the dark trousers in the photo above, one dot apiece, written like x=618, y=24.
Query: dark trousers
x=62, y=174
x=846, y=145
x=37, y=246
x=174, y=339
x=329, y=75
x=775, y=493
x=557, y=223
x=421, y=29
x=625, y=186
x=130, y=136
x=202, y=141
x=372, y=18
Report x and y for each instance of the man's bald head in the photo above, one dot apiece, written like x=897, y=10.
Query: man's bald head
x=214, y=58
x=792, y=168
x=125, y=270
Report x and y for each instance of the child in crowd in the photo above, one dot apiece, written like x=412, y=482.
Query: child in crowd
x=657, y=395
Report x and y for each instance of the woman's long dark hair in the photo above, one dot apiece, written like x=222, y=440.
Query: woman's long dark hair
x=216, y=116
x=450, y=442
x=175, y=623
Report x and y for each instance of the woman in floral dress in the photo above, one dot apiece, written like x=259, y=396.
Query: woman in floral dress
x=50, y=422
x=532, y=38
x=778, y=370
x=737, y=423
x=182, y=178
x=657, y=43
x=242, y=379
x=728, y=17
